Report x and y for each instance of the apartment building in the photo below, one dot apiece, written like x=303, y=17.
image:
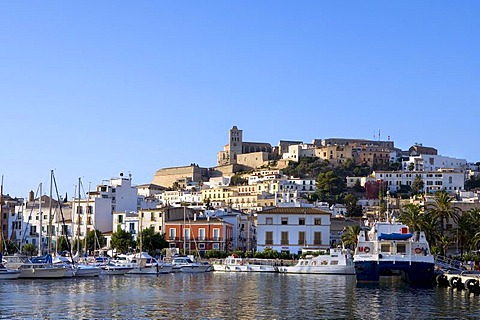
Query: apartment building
x=293, y=229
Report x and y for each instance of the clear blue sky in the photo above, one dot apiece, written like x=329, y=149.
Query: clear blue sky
x=95, y=88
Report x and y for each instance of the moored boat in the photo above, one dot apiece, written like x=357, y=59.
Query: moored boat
x=6, y=273
x=337, y=261
x=186, y=265
x=389, y=248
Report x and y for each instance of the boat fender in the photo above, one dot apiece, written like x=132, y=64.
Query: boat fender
x=33, y=270
x=418, y=250
x=370, y=236
x=366, y=249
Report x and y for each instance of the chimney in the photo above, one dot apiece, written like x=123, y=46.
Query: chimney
x=31, y=196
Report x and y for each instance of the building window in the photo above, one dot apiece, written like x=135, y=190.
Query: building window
x=186, y=233
x=172, y=233
x=269, y=237
x=301, y=221
x=284, y=221
x=301, y=238
x=216, y=246
x=201, y=234
x=317, y=238
x=201, y=246
x=284, y=239
x=317, y=221
x=216, y=234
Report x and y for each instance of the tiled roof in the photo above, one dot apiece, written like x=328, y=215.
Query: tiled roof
x=294, y=210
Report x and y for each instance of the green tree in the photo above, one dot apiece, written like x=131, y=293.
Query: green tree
x=10, y=246
x=30, y=249
x=411, y=166
x=444, y=242
x=353, y=209
x=350, y=236
x=121, y=241
x=95, y=240
x=417, y=185
x=412, y=215
x=62, y=244
x=238, y=180
x=443, y=210
x=328, y=186
x=152, y=241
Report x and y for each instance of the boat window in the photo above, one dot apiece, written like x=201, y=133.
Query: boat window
x=385, y=247
x=334, y=263
x=401, y=248
x=324, y=262
x=314, y=263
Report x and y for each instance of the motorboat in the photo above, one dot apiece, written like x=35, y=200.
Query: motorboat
x=35, y=267
x=187, y=265
x=6, y=273
x=144, y=264
x=112, y=268
x=337, y=261
x=86, y=270
x=390, y=248
x=234, y=263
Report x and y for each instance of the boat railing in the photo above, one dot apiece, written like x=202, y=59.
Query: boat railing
x=445, y=263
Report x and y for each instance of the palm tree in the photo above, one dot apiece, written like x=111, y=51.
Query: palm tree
x=443, y=210
x=412, y=215
x=444, y=243
x=350, y=235
x=430, y=227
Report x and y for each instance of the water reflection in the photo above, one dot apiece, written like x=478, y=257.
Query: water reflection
x=230, y=296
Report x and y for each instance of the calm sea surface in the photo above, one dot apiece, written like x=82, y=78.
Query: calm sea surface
x=230, y=296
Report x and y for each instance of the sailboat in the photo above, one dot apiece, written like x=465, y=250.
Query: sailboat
x=84, y=269
x=40, y=266
x=5, y=273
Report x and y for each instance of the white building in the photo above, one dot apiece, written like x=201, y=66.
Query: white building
x=448, y=180
x=96, y=211
x=293, y=229
x=429, y=162
x=297, y=151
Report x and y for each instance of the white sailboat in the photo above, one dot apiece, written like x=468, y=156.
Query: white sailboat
x=83, y=269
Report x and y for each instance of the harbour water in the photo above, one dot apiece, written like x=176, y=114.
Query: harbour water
x=230, y=296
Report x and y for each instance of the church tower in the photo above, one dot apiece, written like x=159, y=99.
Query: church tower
x=235, y=143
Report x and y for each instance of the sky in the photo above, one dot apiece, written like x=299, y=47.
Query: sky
x=91, y=89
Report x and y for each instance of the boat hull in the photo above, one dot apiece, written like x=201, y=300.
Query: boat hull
x=415, y=272
x=341, y=270
x=41, y=273
x=87, y=271
x=9, y=274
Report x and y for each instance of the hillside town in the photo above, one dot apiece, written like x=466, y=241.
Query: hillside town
x=288, y=198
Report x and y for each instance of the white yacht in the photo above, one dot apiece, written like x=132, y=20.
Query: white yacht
x=237, y=264
x=186, y=265
x=337, y=261
x=143, y=264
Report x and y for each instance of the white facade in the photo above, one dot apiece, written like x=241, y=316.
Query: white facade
x=449, y=181
x=292, y=229
x=304, y=186
x=427, y=162
x=297, y=151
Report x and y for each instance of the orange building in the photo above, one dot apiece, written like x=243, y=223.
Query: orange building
x=200, y=233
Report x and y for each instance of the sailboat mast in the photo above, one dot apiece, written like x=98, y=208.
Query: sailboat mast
x=78, y=218
x=1, y=217
x=87, y=212
x=41, y=217
x=50, y=220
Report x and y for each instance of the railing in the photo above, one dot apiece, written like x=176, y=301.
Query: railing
x=448, y=263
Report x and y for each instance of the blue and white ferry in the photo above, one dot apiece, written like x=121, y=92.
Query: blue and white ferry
x=388, y=248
